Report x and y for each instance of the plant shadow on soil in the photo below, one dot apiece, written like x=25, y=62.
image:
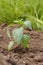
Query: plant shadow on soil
x=20, y=56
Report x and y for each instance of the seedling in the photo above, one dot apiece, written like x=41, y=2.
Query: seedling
x=18, y=35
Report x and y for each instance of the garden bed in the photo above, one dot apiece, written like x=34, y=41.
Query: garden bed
x=20, y=56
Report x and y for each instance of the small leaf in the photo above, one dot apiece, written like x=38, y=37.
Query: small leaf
x=10, y=45
x=25, y=40
x=8, y=33
x=28, y=24
x=19, y=22
x=17, y=34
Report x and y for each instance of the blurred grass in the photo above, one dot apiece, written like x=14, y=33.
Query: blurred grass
x=11, y=10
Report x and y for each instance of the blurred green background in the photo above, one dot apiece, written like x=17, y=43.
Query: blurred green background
x=11, y=10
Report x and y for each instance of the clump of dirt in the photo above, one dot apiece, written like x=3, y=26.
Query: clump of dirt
x=20, y=56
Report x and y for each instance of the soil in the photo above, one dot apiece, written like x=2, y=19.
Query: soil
x=20, y=56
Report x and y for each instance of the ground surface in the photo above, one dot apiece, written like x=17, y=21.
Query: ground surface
x=20, y=56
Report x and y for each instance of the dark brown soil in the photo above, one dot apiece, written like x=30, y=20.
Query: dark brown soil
x=20, y=56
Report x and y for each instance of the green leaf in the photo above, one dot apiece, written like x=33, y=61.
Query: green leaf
x=28, y=24
x=25, y=40
x=10, y=45
x=17, y=34
x=19, y=22
x=8, y=33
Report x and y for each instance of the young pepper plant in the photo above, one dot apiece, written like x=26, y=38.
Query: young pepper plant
x=18, y=35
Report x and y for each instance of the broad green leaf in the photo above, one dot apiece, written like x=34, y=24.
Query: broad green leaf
x=28, y=24
x=8, y=33
x=10, y=45
x=25, y=40
x=17, y=34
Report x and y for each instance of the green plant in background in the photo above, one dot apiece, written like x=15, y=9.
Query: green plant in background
x=11, y=10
